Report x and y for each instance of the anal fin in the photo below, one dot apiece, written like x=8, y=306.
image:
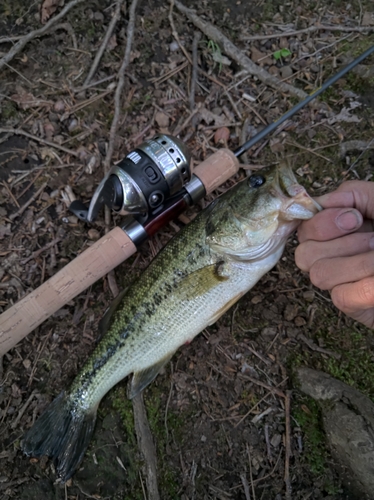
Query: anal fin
x=141, y=379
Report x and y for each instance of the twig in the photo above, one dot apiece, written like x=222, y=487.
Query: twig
x=14, y=424
x=179, y=129
x=268, y=449
x=311, y=29
x=243, y=137
x=166, y=412
x=33, y=198
x=18, y=131
x=232, y=51
x=10, y=194
x=196, y=38
x=63, y=26
x=255, y=405
x=41, y=250
x=93, y=84
x=120, y=85
x=314, y=347
x=81, y=105
x=276, y=391
x=146, y=446
x=297, y=145
x=108, y=34
x=36, y=33
x=175, y=33
x=245, y=486
x=355, y=146
x=288, y=446
x=250, y=472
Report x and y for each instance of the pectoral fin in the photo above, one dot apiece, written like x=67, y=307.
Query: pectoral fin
x=201, y=281
x=224, y=309
x=141, y=379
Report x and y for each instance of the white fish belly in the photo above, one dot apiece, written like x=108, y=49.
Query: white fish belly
x=178, y=321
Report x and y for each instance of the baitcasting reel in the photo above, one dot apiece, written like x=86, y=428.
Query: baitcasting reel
x=140, y=184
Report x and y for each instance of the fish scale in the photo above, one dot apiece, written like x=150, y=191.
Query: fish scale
x=200, y=273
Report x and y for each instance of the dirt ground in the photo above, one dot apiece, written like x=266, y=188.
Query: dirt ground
x=218, y=425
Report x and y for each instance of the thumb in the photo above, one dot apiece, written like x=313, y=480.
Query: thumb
x=329, y=224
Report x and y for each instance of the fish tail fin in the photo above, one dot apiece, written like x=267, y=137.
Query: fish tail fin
x=62, y=432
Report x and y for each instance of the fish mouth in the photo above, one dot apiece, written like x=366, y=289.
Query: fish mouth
x=296, y=202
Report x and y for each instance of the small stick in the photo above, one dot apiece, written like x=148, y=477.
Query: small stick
x=196, y=38
x=120, y=85
x=18, y=131
x=245, y=486
x=243, y=138
x=268, y=449
x=179, y=129
x=14, y=424
x=10, y=194
x=354, y=146
x=232, y=51
x=41, y=250
x=288, y=446
x=146, y=446
x=36, y=33
x=30, y=184
x=33, y=198
x=93, y=84
x=250, y=472
x=311, y=29
x=166, y=412
x=276, y=391
x=314, y=347
x=175, y=33
x=62, y=26
x=108, y=34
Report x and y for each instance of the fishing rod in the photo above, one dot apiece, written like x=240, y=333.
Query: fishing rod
x=151, y=186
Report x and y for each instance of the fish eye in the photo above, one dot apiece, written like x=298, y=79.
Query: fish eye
x=256, y=180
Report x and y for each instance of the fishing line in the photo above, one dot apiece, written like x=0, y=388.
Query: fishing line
x=270, y=128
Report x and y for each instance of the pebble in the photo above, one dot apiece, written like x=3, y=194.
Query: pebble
x=286, y=71
x=299, y=321
x=276, y=440
x=309, y=295
x=93, y=234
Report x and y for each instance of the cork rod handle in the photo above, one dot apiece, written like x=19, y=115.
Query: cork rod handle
x=92, y=264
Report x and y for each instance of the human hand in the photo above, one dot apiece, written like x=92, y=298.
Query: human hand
x=337, y=249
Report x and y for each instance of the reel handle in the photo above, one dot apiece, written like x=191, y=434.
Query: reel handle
x=100, y=258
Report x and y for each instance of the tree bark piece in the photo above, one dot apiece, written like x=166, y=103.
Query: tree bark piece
x=348, y=420
x=237, y=55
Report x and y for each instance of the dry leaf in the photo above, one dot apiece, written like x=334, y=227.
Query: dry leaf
x=49, y=7
x=344, y=116
x=26, y=100
x=161, y=119
x=210, y=117
x=222, y=135
x=112, y=43
x=5, y=230
x=368, y=19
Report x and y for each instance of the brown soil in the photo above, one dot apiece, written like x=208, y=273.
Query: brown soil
x=219, y=431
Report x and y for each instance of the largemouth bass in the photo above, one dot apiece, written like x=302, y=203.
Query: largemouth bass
x=197, y=277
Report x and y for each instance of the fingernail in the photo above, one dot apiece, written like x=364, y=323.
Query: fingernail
x=349, y=221
x=371, y=243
